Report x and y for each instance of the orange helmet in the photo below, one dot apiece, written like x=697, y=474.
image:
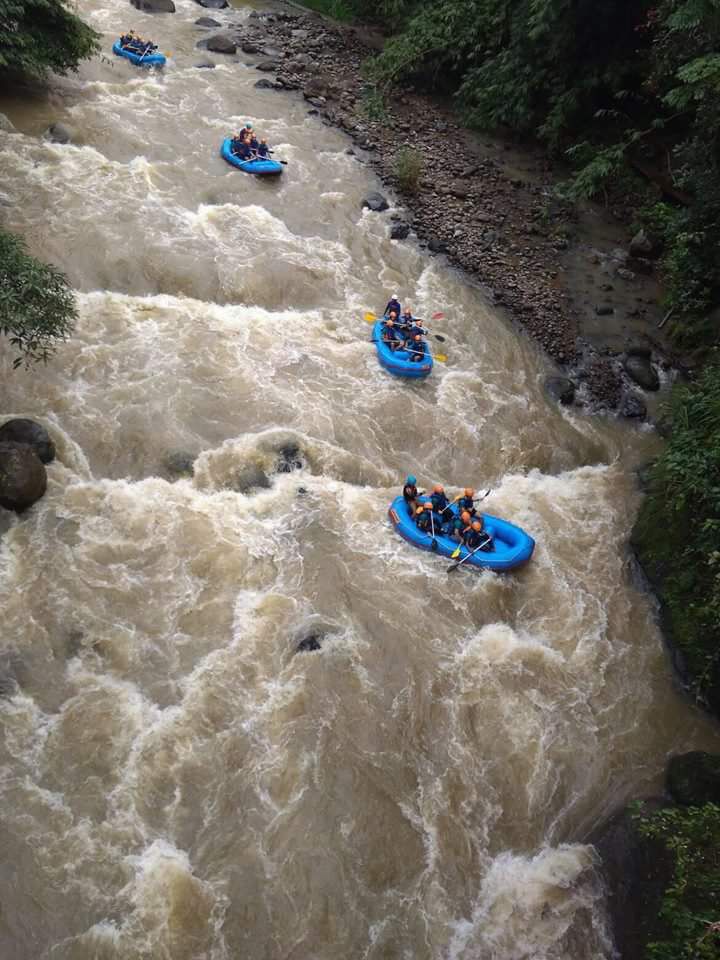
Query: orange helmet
x=469, y=492
x=438, y=488
x=477, y=525
x=465, y=517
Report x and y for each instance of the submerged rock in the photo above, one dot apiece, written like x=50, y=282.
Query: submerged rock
x=204, y=65
x=436, y=245
x=213, y=4
x=560, y=389
x=375, y=202
x=290, y=458
x=640, y=370
x=310, y=643
x=399, y=231
x=23, y=479
x=180, y=463
x=694, y=778
x=207, y=22
x=59, y=133
x=21, y=430
x=264, y=84
x=154, y=6
x=251, y=478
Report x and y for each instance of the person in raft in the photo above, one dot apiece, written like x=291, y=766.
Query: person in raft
x=466, y=502
x=475, y=537
x=240, y=146
x=416, y=349
x=410, y=492
x=390, y=333
x=454, y=529
x=393, y=305
x=423, y=518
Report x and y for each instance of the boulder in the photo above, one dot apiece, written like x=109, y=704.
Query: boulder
x=639, y=351
x=459, y=190
x=33, y=434
x=23, y=479
x=632, y=406
x=59, y=133
x=436, y=245
x=221, y=44
x=213, y=4
x=694, y=778
x=642, y=372
x=207, y=22
x=375, y=202
x=264, y=84
x=267, y=66
x=399, y=231
x=251, y=477
x=248, y=47
x=604, y=310
x=154, y=6
x=204, y=65
x=273, y=53
x=641, y=245
x=314, y=88
x=560, y=389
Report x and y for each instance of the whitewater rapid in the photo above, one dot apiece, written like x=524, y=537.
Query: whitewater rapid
x=177, y=781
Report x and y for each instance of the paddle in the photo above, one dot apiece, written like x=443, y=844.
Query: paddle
x=485, y=542
x=283, y=162
x=433, y=545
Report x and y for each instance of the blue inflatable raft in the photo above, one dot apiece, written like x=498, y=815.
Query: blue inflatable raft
x=398, y=362
x=262, y=168
x=512, y=547
x=149, y=60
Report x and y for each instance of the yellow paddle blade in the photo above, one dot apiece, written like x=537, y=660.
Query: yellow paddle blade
x=440, y=356
x=455, y=553
x=370, y=317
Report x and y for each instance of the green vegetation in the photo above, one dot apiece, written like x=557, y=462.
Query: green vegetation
x=41, y=35
x=688, y=925
x=619, y=87
x=337, y=9
x=37, y=306
x=408, y=169
x=677, y=534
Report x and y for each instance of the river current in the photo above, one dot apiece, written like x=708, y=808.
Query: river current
x=177, y=782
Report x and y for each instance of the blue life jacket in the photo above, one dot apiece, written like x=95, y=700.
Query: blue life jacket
x=439, y=502
x=393, y=305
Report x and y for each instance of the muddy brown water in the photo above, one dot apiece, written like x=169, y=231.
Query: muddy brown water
x=176, y=782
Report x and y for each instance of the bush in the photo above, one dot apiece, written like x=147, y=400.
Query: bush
x=41, y=35
x=689, y=927
x=37, y=306
x=408, y=169
x=677, y=534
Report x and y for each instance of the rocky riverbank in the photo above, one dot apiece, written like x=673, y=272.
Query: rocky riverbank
x=561, y=274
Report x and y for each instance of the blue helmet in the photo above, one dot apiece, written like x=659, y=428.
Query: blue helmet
x=411, y=480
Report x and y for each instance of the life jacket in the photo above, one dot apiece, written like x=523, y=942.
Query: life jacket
x=439, y=502
x=423, y=521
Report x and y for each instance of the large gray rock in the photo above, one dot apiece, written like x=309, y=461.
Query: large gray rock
x=642, y=372
x=220, y=44
x=267, y=66
x=207, y=22
x=154, y=6
x=264, y=84
x=694, y=778
x=33, y=434
x=23, y=479
x=399, y=231
x=375, y=202
x=213, y=4
x=59, y=133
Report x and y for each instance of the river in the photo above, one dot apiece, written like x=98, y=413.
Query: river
x=177, y=781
